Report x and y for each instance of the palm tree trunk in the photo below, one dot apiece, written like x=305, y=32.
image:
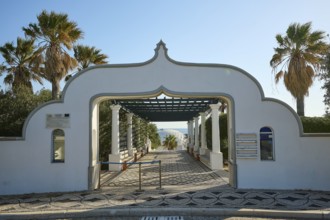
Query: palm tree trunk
x=301, y=106
x=55, y=90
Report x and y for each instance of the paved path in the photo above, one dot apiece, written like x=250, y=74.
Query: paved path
x=179, y=171
x=189, y=188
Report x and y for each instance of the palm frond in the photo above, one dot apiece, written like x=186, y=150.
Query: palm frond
x=9, y=79
x=87, y=56
x=279, y=39
x=291, y=31
x=278, y=76
x=310, y=71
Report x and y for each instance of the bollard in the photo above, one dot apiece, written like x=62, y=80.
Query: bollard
x=135, y=157
x=160, y=175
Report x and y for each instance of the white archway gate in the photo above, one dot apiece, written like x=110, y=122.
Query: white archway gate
x=215, y=156
x=280, y=161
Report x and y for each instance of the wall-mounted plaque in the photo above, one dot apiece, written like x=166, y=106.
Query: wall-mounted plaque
x=58, y=121
x=246, y=145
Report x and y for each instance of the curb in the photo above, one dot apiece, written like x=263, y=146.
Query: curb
x=139, y=212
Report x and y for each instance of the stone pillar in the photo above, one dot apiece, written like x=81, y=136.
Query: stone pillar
x=216, y=157
x=115, y=154
x=138, y=128
x=196, y=144
x=129, y=134
x=191, y=135
x=203, y=134
x=188, y=135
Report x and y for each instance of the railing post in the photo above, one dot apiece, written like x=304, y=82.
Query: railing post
x=160, y=174
x=124, y=165
x=140, y=179
x=99, y=183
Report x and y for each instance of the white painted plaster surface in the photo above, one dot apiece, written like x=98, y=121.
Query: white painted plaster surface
x=25, y=165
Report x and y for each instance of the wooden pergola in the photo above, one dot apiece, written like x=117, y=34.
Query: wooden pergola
x=167, y=108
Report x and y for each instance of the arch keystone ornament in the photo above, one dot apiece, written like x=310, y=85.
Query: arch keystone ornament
x=248, y=112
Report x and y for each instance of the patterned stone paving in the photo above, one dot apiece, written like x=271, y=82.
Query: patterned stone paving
x=178, y=169
x=186, y=184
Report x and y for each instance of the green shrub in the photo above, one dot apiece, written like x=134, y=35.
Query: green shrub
x=15, y=108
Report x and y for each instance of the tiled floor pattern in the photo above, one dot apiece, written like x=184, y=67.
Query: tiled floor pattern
x=186, y=183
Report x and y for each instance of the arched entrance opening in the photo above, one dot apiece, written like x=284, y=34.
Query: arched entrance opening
x=164, y=105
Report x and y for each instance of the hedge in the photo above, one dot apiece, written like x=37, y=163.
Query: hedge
x=316, y=124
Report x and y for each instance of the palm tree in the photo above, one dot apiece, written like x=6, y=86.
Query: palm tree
x=87, y=56
x=299, y=56
x=55, y=34
x=170, y=142
x=326, y=77
x=21, y=64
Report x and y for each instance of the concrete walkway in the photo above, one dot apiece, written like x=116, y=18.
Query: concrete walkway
x=188, y=189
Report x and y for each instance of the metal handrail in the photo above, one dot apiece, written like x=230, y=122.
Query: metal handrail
x=140, y=177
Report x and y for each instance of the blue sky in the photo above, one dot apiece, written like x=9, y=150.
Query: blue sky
x=240, y=33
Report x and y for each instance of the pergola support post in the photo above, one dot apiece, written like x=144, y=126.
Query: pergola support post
x=196, y=144
x=115, y=154
x=203, y=134
x=130, y=134
x=191, y=146
x=188, y=137
x=216, y=157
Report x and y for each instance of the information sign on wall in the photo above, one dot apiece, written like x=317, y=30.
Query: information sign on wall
x=57, y=120
x=246, y=145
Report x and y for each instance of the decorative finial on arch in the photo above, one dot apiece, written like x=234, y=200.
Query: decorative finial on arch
x=161, y=45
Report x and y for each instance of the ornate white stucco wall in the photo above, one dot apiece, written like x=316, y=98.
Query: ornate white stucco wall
x=301, y=161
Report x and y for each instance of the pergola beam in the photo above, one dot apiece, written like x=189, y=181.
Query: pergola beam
x=167, y=109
